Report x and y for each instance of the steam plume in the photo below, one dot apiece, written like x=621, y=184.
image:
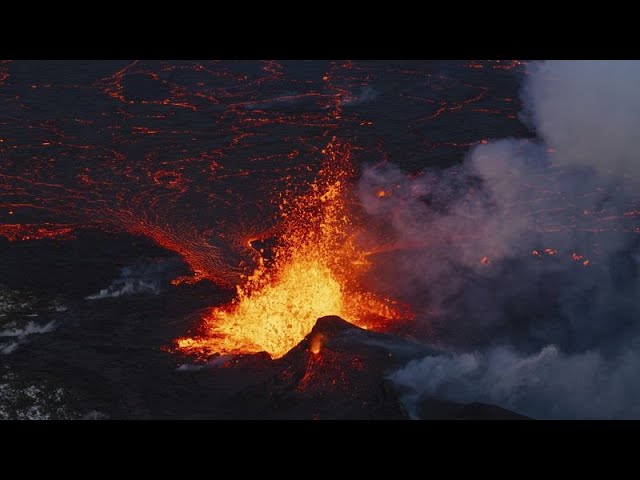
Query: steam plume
x=524, y=259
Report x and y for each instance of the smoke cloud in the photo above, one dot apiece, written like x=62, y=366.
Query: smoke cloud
x=365, y=95
x=524, y=260
x=18, y=335
x=547, y=384
x=588, y=112
x=140, y=279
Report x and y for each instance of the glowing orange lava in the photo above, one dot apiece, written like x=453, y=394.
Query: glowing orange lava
x=315, y=271
x=21, y=232
x=316, y=344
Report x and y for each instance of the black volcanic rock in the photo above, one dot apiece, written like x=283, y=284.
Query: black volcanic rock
x=335, y=374
x=339, y=371
x=110, y=358
x=332, y=325
x=434, y=409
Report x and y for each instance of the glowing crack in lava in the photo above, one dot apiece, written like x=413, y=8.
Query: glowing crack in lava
x=314, y=271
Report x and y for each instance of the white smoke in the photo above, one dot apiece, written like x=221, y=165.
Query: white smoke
x=18, y=334
x=138, y=279
x=29, y=329
x=7, y=348
x=126, y=287
x=365, y=95
x=547, y=384
x=464, y=239
x=588, y=111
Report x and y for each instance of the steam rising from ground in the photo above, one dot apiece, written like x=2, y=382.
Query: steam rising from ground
x=545, y=384
x=525, y=257
x=139, y=279
x=17, y=335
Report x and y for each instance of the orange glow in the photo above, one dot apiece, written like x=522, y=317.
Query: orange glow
x=24, y=231
x=316, y=344
x=381, y=194
x=315, y=272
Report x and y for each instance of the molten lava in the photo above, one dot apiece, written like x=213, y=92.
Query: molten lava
x=316, y=344
x=21, y=232
x=315, y=271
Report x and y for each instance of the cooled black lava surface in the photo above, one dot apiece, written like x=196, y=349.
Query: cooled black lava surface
x=110, y=359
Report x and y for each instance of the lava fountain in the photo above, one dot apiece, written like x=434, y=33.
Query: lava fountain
x=315, y=269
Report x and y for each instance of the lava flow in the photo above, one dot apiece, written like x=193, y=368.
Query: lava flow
x=314, y=271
